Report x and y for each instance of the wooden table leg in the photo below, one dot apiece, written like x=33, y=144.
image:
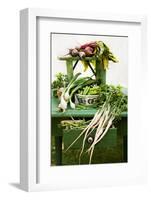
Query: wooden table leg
x=57, y=134
x=58, y=150
x=125, y=135
x=122, y=130
x=125, y=153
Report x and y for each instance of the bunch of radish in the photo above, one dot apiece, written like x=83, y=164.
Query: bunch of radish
x=98, y=49
x=88, y=49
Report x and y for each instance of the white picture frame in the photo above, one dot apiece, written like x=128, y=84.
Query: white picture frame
x=29, y=147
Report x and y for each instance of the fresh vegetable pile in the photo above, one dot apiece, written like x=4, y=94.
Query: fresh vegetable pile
x=109, y=100
x=66, y=94
x=73, y=124
x=97, y=49
x=90, y=90
x=60, y=82
x=111, y=107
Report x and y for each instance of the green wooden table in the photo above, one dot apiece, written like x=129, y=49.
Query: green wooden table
x=71, y=63
x=57, y=117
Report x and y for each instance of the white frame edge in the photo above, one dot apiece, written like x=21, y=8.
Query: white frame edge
x=28, y=164
x=27, y=99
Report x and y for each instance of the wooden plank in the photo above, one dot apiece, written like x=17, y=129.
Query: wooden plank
x=55, y=130
x=123, y=132
x=89, y=112
x=58, y=150
x=69, y=65
x=77, y=58
x=100, y=72
x=110, y=139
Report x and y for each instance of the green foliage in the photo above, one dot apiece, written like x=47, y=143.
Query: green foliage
x=113, y=94
x=72, y=124
x=61, y=81
x=90, y=90
x=104, y=54
x=115, y=97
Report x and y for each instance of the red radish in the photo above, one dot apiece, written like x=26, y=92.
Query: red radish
x=88, y=51
x=73, y=52
x=82, y=54
x=90, y=44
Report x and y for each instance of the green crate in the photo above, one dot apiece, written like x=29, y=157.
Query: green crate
x=109, y=140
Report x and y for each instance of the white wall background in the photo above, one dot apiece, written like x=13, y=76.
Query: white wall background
x=116, y=74
x=9, y=101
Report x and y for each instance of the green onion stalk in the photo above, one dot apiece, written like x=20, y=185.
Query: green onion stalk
x=68, y=92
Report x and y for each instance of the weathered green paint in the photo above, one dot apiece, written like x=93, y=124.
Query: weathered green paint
x=122, y=126
x=89, y=112
x=55, y=130
x=69, y=65
x=58, y=148
x=123, y=131
x=125, y=148
x=66, y=58
x=110, y=139
x=100, y=72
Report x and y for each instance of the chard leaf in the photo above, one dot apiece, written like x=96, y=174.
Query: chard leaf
x=85, y=64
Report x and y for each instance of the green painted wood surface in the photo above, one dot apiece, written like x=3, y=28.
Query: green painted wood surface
x=69, y=65
x=57, y=132
x=123, y=130
x=90, y=112
x=77, y=58
x=55, y=129
x=58, y=152
x=109, y=140
x=111, y=137
x=100, y=72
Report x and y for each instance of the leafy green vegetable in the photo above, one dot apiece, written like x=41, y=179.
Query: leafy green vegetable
x=105, y=55
x=73, y=124
x=115, y=93
x=60, y=81
x=90, y=90
x=75, y=84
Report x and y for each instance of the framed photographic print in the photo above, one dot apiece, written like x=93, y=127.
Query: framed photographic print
x=81, y=78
